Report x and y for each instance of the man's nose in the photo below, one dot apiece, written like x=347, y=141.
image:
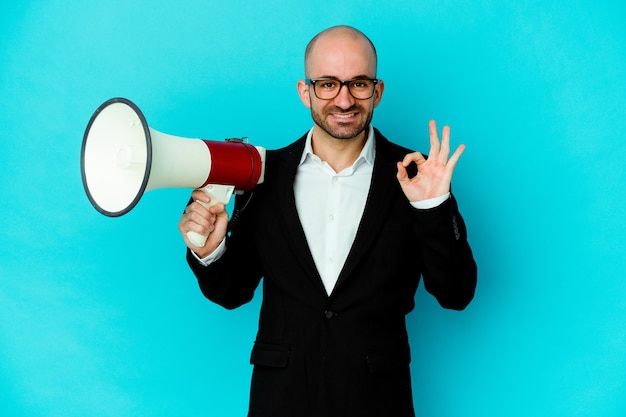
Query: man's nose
x=344, y=99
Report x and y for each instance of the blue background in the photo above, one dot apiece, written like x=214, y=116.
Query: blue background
x=101, y=317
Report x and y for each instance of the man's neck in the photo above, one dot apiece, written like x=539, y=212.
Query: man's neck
x=338, y=153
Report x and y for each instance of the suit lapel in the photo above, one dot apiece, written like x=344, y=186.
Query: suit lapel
x=289, y=160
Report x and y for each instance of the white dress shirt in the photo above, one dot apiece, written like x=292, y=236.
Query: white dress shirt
x=330, y=206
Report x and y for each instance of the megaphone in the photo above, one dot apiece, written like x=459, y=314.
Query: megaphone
x=122, y=158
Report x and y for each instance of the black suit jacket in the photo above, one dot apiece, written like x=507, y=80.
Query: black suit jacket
x=346, y=354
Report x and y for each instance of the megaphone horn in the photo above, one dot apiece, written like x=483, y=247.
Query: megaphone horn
x=122, y=158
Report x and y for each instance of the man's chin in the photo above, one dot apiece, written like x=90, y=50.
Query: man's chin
x=344, y=132
x=341, y=130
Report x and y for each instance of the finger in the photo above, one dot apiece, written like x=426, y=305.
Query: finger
x=199, y=195
x=196, y=213
x=434, y=139
x=445, y=145
x=199, y=208
x=195, y=221
x=455, y=157
x=402, y=175
x=416, y=157
x=187, y=224
x=217, y=209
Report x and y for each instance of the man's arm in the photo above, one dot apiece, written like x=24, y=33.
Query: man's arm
x=224, y=276
x=449, y=269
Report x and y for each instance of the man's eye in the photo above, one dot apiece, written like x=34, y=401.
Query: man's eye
x=329, y=85
x=360, y=84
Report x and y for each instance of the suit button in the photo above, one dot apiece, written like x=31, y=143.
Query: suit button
x=329, y=314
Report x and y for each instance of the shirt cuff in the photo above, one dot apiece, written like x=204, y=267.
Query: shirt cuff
x=213, y=256
x=430, y=203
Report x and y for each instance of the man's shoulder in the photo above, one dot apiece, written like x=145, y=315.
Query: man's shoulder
x=292, y=150
x=386, y=147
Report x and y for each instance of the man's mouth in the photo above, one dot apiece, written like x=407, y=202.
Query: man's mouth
x=344, y=116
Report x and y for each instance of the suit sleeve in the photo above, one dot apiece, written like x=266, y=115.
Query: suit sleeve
x=449, y=270
x=231, y=280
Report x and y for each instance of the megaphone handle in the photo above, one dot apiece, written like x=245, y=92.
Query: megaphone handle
x=219, y=194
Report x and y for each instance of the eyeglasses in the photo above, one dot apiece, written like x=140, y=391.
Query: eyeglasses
x=329, y=88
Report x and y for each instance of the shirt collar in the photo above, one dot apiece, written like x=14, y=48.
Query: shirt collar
x=367, y=153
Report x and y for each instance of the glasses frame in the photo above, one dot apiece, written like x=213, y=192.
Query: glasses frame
x=313, y=81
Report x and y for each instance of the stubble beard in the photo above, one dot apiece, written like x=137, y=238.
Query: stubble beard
x=342, y=131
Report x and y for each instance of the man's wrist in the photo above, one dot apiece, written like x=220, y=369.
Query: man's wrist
x=213, y=256
x=431, y=202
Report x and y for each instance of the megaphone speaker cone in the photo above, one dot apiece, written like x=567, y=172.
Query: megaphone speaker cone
x=116, y=157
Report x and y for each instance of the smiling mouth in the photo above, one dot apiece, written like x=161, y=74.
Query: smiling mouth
x=344, y=116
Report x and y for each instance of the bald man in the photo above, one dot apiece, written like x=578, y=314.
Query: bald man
x=342, y=230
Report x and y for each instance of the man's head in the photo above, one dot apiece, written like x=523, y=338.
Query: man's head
x=341, y=53
x=339, y=31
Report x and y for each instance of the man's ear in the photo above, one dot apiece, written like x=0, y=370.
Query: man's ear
x=303, y=92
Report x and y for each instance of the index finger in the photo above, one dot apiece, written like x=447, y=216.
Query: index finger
x=199, y=195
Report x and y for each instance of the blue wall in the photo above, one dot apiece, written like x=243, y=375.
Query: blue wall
x=101, y=317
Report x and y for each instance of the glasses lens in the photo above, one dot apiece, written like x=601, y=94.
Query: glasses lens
x=327, y=89
x=361, y=89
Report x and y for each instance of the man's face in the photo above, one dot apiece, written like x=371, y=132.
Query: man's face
x=343, y=57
